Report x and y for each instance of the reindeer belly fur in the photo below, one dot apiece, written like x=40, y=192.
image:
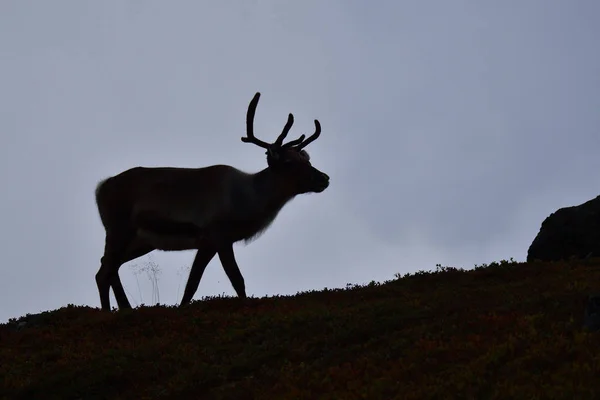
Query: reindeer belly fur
x=171, y=242
x=168, y=235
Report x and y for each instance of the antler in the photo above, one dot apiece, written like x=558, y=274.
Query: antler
x=300, y=143
x=250, y=138
x=297, y=144
x=288, y=125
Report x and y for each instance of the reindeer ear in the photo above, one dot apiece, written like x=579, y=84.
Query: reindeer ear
x=272, y=153
x=304, y=155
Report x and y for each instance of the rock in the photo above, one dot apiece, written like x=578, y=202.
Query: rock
x=569, y=232
x=591, y=318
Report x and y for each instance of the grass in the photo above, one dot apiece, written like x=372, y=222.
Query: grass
x=504, y=330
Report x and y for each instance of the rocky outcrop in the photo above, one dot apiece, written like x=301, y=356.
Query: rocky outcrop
x=568, y=232
x=591, y=318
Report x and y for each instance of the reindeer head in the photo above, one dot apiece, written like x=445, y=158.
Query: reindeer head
x=289, y=160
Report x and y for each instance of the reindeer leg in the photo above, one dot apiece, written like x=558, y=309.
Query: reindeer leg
x=116, y=242
x=232, y=270
x=205, y=253
x=120, y=247
x=103, y=283
x=136, y=249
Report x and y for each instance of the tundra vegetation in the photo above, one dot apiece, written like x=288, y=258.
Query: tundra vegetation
x=507, y=330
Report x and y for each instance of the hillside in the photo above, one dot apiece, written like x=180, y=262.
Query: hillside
x=505, y=330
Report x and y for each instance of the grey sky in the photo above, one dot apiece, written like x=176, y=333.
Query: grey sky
x=451, y=129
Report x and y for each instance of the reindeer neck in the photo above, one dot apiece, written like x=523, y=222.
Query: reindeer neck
x=272, y=188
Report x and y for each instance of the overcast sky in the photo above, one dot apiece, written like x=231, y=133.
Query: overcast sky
x=451, y=129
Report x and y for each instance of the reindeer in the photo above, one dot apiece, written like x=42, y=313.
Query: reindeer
x=205, y=209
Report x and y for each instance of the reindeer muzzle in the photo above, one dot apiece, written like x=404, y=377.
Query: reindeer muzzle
x=320, y=181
